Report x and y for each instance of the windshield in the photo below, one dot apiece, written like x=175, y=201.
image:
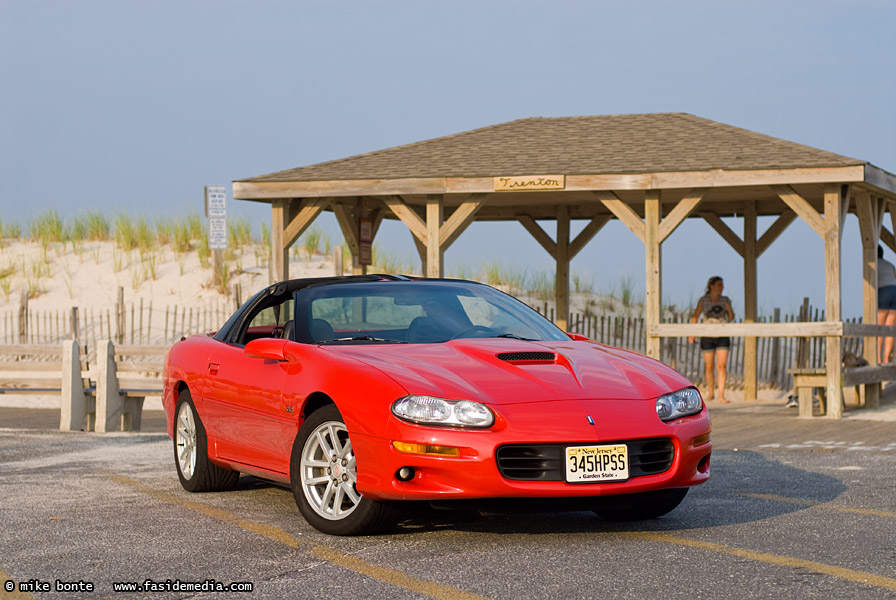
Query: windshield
x=414, y=312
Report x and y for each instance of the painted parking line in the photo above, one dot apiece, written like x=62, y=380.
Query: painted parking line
x=318, y=551
x=878, y=581
x=825, y=505
x=5, y=582
x=849, y=446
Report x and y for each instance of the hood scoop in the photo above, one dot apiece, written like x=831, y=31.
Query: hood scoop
x=528, y=358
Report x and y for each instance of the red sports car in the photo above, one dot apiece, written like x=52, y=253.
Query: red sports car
x=362, y=392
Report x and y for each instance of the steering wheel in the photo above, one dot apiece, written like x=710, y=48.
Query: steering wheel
x=473, y=329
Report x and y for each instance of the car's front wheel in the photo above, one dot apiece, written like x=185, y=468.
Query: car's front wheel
x=646, y=505
x=195, y=471
x=323, y=473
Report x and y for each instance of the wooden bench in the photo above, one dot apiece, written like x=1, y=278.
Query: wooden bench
x=35, y=368
x=805, y=380
x=49, y=369
x=102, y=395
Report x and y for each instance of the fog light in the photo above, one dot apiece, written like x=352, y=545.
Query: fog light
x=405, y=474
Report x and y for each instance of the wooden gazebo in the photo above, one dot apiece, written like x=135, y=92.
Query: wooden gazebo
x=650, y=171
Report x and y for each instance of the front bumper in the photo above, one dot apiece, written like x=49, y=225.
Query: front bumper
x=475, y=473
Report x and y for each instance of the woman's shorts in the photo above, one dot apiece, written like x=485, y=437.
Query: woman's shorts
x=886, y=297
x=708, y=344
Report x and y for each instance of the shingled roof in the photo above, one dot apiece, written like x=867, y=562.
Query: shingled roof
x=608, y=144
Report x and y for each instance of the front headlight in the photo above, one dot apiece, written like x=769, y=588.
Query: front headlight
x=430, y=410
x=679, y=404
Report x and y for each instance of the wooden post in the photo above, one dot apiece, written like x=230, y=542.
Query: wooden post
x=750, y=299
x=279, y=254
x=434, y=256
x=561, y=255
x=653, y=268
x=120, y=317
x=76, y=325
x=775, y=372
x=870, y=210
x=23, y=318
x=337, y=261
x=832, y=232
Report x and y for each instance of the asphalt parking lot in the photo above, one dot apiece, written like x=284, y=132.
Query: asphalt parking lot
x=795, y=508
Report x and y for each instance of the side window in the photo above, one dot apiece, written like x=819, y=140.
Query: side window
x=272, y=320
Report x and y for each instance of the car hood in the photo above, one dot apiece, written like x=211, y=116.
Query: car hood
x=501, y=371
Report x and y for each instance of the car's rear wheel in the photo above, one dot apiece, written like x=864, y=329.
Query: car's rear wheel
x=646, y=505
x=323, y=473
x=195, y=471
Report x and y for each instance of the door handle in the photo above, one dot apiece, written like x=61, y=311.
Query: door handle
x=213, y=368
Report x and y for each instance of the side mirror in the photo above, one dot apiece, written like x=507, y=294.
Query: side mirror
x=577, y=337
x=271, y=348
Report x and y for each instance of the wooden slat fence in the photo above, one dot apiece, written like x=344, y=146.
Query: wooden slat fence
x=775, y=355
x=136, y=322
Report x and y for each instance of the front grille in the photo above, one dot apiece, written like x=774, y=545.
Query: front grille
x=545, y=462
x=526, y=356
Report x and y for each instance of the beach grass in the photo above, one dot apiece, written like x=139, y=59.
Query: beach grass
x=47, y=227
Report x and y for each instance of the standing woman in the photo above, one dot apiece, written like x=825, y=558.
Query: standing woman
x=715, y=308
x=886, y=303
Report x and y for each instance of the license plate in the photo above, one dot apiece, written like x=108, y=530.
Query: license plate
x=593, y=464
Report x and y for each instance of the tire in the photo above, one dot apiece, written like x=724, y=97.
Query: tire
x=195, y=471
x=646, y=505
x=323, y=474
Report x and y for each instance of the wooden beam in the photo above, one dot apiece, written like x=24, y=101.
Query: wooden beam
x=774, y=231
x=653, y=269
x=348, y=226
x=587, y=234
x=268, y=191
x=460, y=219
x=539, y=234
x=677, y=215
x=623, y=212
x=723, y=230
x=408, y=216
x=801, y=207
x=792, y=329
x=888, y=239
x=349, y=219
x=310, y=209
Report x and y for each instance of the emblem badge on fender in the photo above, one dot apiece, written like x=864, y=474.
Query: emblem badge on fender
x=590, y=420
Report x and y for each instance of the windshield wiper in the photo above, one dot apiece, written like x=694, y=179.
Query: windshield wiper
x=514, y=336
x=363, y=338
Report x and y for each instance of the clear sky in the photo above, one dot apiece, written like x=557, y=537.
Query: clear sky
x=136, y=105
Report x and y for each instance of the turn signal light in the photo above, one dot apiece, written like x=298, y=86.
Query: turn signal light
x=701, y=439
x=426, y=449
